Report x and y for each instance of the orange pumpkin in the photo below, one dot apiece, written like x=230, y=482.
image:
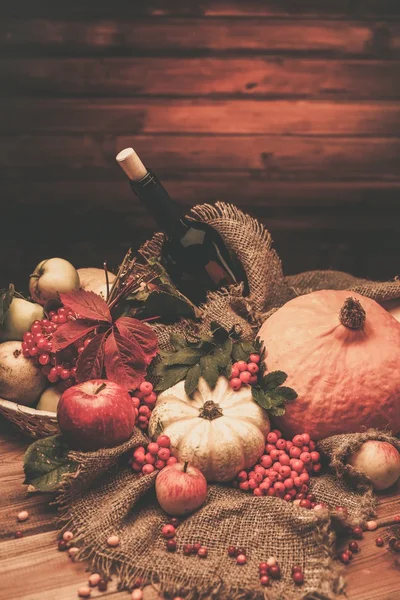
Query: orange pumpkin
x=341, y=352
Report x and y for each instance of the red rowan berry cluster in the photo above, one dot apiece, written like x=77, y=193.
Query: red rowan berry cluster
x=284, y=470
x=244, y=372
x=156, y=455
x=37, y=344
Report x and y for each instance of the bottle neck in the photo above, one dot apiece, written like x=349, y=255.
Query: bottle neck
x=166, y=213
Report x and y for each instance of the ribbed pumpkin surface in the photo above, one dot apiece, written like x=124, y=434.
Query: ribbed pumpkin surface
x=347, y=380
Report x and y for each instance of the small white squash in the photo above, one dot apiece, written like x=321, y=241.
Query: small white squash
x=218, y=431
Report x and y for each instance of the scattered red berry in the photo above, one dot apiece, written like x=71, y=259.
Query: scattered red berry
x=62, y=545
x=202, y=552
x=379, y=542
x=264, y=580
x=102, y=585
x=344, y=557
x=298, y=577
x=354, y=547
x=296, y=568
x=18, y=534
x=241, y=559
x=275, y=571
x=357, y=532
x=394, y=544
x=168, y=531
x=187, y=549
x=171, y=545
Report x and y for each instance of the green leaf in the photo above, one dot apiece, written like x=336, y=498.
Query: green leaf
x=192, y=379
x=222, y=353
x=169, y=307
x=273, y=380
x=228, y=369
x=6, y=297
x=277, y=411
x=261, y=398
x=46, y=461
x=238, y=353
x=248, y=347
x=209, y=370
x=170, y=376
x=286, y=393
x=177, y=340
x=186, y=356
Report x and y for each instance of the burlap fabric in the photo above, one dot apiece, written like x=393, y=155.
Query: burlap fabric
x=105, y=497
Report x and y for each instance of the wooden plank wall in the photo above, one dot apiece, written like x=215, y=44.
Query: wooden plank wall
x=289, y=109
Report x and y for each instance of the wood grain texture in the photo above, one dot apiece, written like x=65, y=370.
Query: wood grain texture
x=180, y=36
x=48, y=573
x=195, y=77
x=289, y=109
x=266, y=158
x=135, y=116
x=208, y=8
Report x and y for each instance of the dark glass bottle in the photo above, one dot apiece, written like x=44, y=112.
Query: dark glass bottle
x=193, y=253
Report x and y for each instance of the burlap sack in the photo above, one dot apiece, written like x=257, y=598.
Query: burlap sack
x=105, y=497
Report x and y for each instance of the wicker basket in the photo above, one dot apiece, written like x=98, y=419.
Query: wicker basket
x=32, y=422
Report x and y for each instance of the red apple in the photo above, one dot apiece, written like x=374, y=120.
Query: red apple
x=180, y=489
x=96, y=414
x=380, y=461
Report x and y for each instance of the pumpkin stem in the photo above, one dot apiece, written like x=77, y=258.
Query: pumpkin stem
x=185, y=466
x=210, y=411
x=352, y=315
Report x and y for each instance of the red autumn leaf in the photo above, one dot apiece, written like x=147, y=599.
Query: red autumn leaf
x=87, y=305
x=141, y=333
x=91, y=361
x=69, y=333
x=123, y=364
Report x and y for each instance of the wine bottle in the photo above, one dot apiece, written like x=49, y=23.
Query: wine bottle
x=194, y=253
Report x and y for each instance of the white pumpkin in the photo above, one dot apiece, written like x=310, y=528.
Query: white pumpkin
x=218, y=431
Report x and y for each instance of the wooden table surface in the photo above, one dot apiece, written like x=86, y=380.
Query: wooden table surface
x=32, y=568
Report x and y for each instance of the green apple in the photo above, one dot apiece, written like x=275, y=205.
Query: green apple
x=21, y=379
x=52, y=277
x=19, y=319
x=49, y=399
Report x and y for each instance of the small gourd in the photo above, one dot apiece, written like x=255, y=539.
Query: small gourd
x=341, y=352
x=218, y=430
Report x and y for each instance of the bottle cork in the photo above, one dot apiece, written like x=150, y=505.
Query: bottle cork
x=129, y=161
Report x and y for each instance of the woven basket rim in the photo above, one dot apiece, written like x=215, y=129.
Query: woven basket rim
x=27, y=410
